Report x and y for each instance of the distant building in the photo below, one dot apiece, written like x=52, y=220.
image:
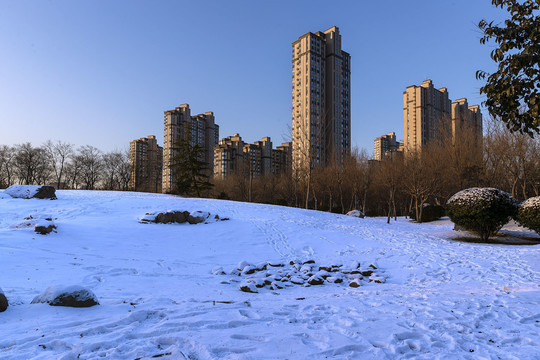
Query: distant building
x=199, y=129
x=321, y=100
x=385, y=145
x=233, y=156
x=466, y=118
x=426, y=112
x=146, y=164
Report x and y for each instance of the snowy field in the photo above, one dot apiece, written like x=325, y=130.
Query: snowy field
x=161, y=296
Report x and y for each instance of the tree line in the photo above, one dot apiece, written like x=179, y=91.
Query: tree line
x=65, y=166
x=403, y=184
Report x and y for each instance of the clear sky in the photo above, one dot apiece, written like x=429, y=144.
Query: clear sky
x=102, y=72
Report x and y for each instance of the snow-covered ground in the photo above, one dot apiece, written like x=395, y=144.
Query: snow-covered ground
x=159, y=297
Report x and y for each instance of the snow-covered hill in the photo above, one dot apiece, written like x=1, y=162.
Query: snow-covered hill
x=161, y=294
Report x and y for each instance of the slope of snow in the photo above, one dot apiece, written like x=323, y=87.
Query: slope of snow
x=161, y=295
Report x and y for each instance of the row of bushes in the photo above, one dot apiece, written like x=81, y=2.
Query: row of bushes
x=485, y=211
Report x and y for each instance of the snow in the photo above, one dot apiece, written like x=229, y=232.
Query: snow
x=473, y=196
x=533, y=202
x=170, y=291
x=22, y=191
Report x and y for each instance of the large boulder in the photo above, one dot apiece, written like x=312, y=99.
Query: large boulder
x=3, y=301
x=197, y=217
x=31, y=191
x=356, y=213
x=72, y=296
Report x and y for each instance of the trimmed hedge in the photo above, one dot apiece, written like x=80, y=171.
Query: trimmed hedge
x=429, y=213
x=529, y=214
x=483, y=211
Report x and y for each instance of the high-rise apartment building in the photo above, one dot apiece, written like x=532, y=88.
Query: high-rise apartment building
x=233, y=156
x=466, y=120
x=146, y=164
x=321, y=100
x=385, y=145
x=199, y=130
x=426, y=113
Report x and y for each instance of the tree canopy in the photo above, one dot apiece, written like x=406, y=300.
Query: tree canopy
x=513, y=90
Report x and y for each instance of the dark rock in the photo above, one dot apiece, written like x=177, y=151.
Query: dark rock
x=197, y=217
x=366, y=273
x=356, y=213
x=308, y=262
x=172, y=217
x=373, y=267
x=72, y=296
x=3, y=301
x=46, y=192
x=316, y=280
x=44, y=230
x=325, y=268
x=248, y=289
x=355, y=283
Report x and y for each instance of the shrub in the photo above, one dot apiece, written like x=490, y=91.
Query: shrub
x=483, y=211
x=429, y=213
x=529, y=214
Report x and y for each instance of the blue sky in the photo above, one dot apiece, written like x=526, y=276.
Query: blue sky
x=102, y=72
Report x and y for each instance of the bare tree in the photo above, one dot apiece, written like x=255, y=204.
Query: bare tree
x=59, y=154
x=91, y=165
x=7, y=155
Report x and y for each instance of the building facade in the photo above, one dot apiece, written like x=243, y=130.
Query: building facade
x=466, y=120
x=426, y=112
x=199, y=130
x=385, y=145
x=146, y=164
x=321, y=100
x=232, y=156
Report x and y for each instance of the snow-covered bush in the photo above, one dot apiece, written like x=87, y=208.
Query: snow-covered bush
x=481, y=210
x=529, y=214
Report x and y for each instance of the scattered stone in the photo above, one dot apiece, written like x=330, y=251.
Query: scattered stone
x=72, y=296
x=31, y=192
x=277, y=276
x=44, y=230
x=3, y=301
x=249, y=288
x=356, y=213
x=308, y=262
x=315, y=280
x=373, y=267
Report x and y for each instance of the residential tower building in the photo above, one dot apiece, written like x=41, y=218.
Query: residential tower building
x=321, y=100
x=146, y=164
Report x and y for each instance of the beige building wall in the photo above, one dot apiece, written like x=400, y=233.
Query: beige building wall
x=384, y=145
x=200, y=129
x=426, y=112
x=466, y=118
x=146, y=164
x=321, y=118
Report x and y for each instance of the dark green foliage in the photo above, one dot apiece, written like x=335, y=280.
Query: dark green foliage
x=430, y=213
x=529, y=214
x=483, y=211
x=190, y=169
x=513, y=91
